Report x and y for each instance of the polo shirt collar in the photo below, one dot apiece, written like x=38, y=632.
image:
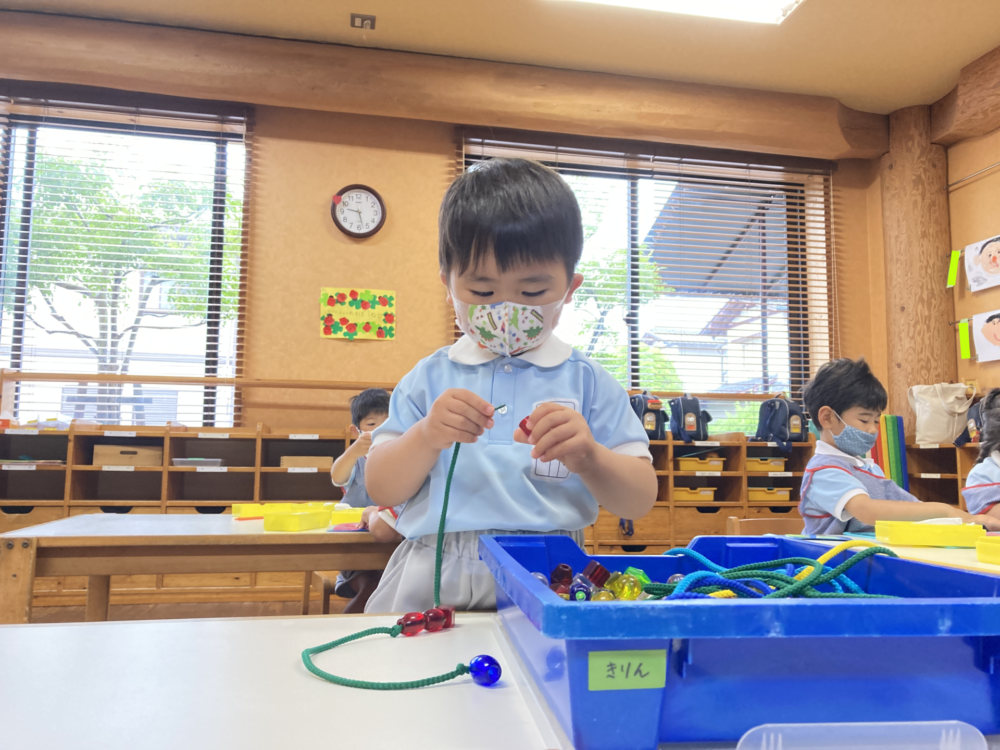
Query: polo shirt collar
x=551, y=353
x=825, y=449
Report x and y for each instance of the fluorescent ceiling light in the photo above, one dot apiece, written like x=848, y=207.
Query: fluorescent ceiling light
x=757, y=11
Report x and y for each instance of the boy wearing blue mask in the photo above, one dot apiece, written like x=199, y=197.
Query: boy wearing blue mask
x=510, y=237
x=842, y=490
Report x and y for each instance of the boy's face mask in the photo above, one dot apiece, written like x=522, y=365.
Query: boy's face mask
x=852, y=441
x=507, y=328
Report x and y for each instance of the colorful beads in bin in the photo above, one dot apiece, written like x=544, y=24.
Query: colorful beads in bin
x=561, y=589
x=639, y=574
x=596, y=573
x=579, y=592
x=602, y=595
x=627, y=587
x=541, y=577
x=485, y=670
x=562, y=573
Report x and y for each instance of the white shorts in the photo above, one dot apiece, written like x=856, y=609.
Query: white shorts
x=466, y=583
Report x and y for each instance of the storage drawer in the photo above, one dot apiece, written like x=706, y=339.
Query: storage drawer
x=79, y=510
x=769, y=495
x=701, y=521
x=701, y=464
x=127, y=455
x=765, y=465
x=777, y=511
x=13, y=517
x=203, y=510
x=694, y=494
x=642, y=549
x=654, y=527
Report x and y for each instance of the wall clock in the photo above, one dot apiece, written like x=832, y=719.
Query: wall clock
x=358, y=211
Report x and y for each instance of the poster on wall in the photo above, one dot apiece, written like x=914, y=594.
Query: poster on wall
x=982, y=264
x=351, y=313
x=986, y=332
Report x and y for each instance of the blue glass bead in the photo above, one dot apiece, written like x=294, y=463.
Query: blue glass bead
x=485, y=670
x=541, y=577
x=579, y=592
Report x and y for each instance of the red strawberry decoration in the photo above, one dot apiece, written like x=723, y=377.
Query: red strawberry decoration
x=365, y=305
x=380, y=333
x=367, y=327
x=344, y=321
x=390, y=318
x=351, y=327
x=327, y=331
x=383, y=301
x=354, y=294
x=341, y=297
x=328, y=320
x=329, y=301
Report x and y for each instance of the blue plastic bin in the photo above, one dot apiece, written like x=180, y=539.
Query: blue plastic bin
x=735, y=664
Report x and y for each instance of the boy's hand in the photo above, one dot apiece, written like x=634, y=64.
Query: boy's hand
x=559, y=434
x=457, y=416
x=992, y=523
x=362, y=441
x=366, y=516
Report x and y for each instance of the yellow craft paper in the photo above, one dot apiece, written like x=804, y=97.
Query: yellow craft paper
x=352, y=313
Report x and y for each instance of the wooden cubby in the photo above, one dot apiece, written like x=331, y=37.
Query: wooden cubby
x=938, y=472
x=678, y=517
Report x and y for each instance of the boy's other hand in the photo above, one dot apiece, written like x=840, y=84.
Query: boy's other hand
x=559, y=434
x=366, y=516
x=457, y=416
x=362, y=440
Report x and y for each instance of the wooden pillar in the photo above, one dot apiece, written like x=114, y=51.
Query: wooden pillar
x=917, y=239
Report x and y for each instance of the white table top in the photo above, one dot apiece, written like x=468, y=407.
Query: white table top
x=240, y=683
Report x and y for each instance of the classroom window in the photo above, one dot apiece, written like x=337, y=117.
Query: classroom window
x=704, y=272
x=121, y=227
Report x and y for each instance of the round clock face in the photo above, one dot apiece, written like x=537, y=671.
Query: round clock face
x=358, y=211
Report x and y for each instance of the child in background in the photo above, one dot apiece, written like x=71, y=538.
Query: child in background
x=842, y=490
x=369, y=409
x=510, y=237
x=982, y=487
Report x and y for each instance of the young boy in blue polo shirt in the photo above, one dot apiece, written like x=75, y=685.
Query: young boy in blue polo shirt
x=982, y=487
x=510, y=237
x=842, y=489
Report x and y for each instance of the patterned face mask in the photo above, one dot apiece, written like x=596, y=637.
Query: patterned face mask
x=852, y=441
x=507, y=328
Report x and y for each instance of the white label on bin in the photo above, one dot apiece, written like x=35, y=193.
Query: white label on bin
x=303, y=437
x=927, y=446
x=213, y=435
x=117, y=468
x=779, y=473
x=772, y=445
x=930, y=476
x=21, y=432
x=118, y=433
x=707, y=443
x=302, y=470
x=212, y=469
x=18, y=467
x=708, y=473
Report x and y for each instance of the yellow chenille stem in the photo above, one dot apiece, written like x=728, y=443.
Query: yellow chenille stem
x=834, y=552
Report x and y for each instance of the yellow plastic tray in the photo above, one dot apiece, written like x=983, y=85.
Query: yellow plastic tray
x=912, y=534
x=988, y=550
x=764, y=495
x=700, y=464
x=764, y=465
x=346, y=516
x=694, y=494
x=259, y=510
x=304, y=521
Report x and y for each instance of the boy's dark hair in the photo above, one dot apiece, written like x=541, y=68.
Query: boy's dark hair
x=993, y=317
x=371, y=401
x=989, y=415
x=516, y=209
x=843, y=384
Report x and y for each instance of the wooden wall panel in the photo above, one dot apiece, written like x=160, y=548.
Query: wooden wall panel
x=916, y=236
x=975, y=215
x=209, y=65
x=302, y=158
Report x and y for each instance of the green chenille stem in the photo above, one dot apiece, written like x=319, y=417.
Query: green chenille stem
x=440, y=540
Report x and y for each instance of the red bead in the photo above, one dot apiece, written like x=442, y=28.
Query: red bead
x=597, y=573
x=524, y=427
x=435, y=619
x=412, y=622
x=449, y=617
x=562, y=573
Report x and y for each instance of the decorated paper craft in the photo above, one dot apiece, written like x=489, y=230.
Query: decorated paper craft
x=982, y=264
x=986, y=332
x=348, y=313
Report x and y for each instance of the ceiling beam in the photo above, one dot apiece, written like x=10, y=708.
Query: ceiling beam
x=972, y=108
x=232, y=67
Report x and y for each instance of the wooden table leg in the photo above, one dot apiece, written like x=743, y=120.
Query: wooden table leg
x=98, y=594
x=306, y=591
x=17, y=579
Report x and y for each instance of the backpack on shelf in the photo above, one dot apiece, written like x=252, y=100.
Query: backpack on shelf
x=649, y=409
x=973, y=427
x=688, y=422
x=781, y=421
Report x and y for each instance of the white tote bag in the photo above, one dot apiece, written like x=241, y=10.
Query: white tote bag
x=941, y=411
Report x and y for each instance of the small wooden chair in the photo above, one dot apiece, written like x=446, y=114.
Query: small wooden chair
x=323, y=585
x=759, y=526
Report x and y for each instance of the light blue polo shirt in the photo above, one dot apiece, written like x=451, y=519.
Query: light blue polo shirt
x=982, y=487
x=497, y=485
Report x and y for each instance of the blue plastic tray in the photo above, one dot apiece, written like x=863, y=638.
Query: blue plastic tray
x=735, y=664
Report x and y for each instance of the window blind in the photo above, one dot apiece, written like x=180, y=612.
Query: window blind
x=122, y=235
x=707, y=272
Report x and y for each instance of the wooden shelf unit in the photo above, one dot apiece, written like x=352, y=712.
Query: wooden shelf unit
x=675, y=522
x=29, y=497
x=938, y=472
